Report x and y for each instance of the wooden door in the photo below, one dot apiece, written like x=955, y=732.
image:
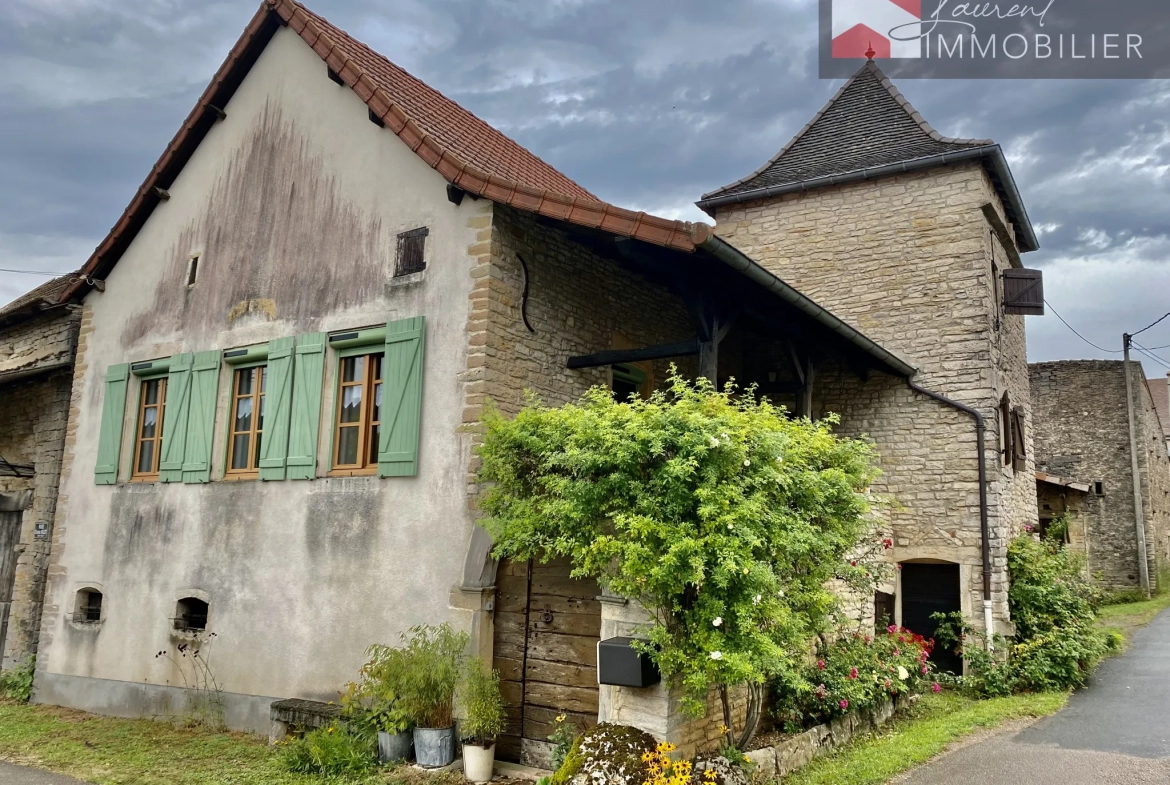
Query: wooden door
x=9, y=537
x=546, y=630
x=928, y=589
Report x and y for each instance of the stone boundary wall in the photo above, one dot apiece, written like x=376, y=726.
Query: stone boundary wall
x=788, y=756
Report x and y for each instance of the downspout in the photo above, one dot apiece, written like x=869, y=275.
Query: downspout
x=984, y=528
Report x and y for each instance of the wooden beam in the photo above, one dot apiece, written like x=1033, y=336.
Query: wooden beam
x=615, y=356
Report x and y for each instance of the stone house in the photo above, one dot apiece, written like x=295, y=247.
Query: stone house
x=1160, y=391
x=323, y=223
x=38, y=338
x=1082, y=436
x=916, y=239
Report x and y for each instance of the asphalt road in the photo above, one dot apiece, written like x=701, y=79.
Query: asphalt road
x=19, y=775
x=1117, y=730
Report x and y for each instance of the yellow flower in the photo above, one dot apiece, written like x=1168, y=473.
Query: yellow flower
x=560, y=718
x=723, y=729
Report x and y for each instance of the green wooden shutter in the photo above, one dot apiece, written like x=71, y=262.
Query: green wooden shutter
x=277, y=405
x=201, y=417
x=402, y=374
x=308, y=379
x=113, y=415
x=178, y=403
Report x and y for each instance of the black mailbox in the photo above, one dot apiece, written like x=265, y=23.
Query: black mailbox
x=618, y=664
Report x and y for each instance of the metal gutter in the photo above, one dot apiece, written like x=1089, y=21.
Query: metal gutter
x=984, y=527
x=993, y=154
x=740, y=262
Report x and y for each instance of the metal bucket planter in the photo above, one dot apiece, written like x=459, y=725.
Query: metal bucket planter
x=434, y=747
x=394, y=746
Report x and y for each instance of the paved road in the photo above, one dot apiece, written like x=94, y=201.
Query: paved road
x=1115, y=731
x=19, y=775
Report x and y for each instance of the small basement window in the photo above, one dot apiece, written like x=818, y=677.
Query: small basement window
x=191, y=615
x=411, y=245
x=87, y=607
x=1098, y=488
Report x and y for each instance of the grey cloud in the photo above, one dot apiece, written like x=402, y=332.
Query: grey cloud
x=646, y=104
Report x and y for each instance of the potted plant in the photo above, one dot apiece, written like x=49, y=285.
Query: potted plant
x=433, y=662
x=372, y=706
x=484, y=721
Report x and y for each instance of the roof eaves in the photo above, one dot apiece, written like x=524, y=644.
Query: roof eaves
x=574, y=209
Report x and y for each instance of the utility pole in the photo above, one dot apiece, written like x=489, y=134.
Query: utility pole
x=1138, y=515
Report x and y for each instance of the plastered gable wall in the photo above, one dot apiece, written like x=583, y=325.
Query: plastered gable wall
x=908, y=261
x=1082, y=433
x=294, y=202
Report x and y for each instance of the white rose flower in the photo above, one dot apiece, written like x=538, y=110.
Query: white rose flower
x=747, y=462
x=903, y=674
x=714, y=442
x=717, y=621
x=716, y=655
x=756, y=600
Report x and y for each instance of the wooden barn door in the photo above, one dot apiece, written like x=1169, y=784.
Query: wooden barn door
x=9, y=537
x=546, y=630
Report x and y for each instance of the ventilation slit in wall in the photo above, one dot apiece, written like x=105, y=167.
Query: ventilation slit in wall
x=192, y=269
x=87, y=607
x=191, y=615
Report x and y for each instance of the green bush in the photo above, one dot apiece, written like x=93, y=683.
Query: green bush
x=17, y=683
x=336, y=751
x=854, y=673
x=483, y=703
x=372, y=704
x=725, y=517
x=1057, y=643
x=434, y=659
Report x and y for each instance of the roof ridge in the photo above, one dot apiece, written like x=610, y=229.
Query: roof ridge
x=386, y=60
x=894, y=93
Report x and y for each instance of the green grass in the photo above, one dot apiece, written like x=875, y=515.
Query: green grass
x=920, y=734
x=111, y=751
x=1124, y=618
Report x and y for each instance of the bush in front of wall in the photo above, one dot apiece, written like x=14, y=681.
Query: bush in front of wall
x=433, y=662
x=336, y=751
x=483, y=703
x=1057, y=643
x=372, y=703
x=854, y=673
x=17, y=683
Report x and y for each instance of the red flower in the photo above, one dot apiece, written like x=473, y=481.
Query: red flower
x=887, y=543
x=844, y=704
x=934, y=687
x=820, y=665
x=853, y=673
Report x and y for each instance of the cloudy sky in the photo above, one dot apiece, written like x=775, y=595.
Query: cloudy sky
x=646, y=103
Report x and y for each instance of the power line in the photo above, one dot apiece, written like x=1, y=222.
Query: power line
x=1139, y=332
x=1151, y=355
x=32, y=272
x=1077, y=334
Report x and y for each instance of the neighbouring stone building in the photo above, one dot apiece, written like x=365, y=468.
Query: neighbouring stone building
x=1160, y=391
x=915, y=239
x=1082, y=436
x=334, y=246
x=38, y=338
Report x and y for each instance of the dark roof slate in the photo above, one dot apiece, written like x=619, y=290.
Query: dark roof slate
x=868, y=123
x=42, y=296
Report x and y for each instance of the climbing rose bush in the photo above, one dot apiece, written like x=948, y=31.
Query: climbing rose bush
x=854, y=673
x=722, y=515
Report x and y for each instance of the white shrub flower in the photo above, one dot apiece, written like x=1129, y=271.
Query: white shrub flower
x=716, y=655
x=717, y=621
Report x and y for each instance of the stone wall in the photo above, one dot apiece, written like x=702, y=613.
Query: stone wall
x=1082, y=434
x=912, y=262
x=33, y=410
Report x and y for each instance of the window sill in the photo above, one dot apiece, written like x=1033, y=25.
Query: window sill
x=241, y=477
x=145, y=478
x=407, y=280
x=370, y=472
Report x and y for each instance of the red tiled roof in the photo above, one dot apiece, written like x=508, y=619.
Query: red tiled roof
x=464, y=149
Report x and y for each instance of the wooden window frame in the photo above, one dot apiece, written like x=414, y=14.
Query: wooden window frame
x=365, y=423
x=234, y=398
x=153, y=475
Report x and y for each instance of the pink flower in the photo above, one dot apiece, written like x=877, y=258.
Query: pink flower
x=892, y=629
x=820, y=665
x=934, y=687
x=898, y=567
x=853, y=673
x=868, y=640
x=887, y=544
x=844, y=704
x=897, y=652
x=923, y=669
x=888, y=684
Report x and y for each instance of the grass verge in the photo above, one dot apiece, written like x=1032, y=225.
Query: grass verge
x=112, y=751
x=929, y=726
x=1126, y=617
